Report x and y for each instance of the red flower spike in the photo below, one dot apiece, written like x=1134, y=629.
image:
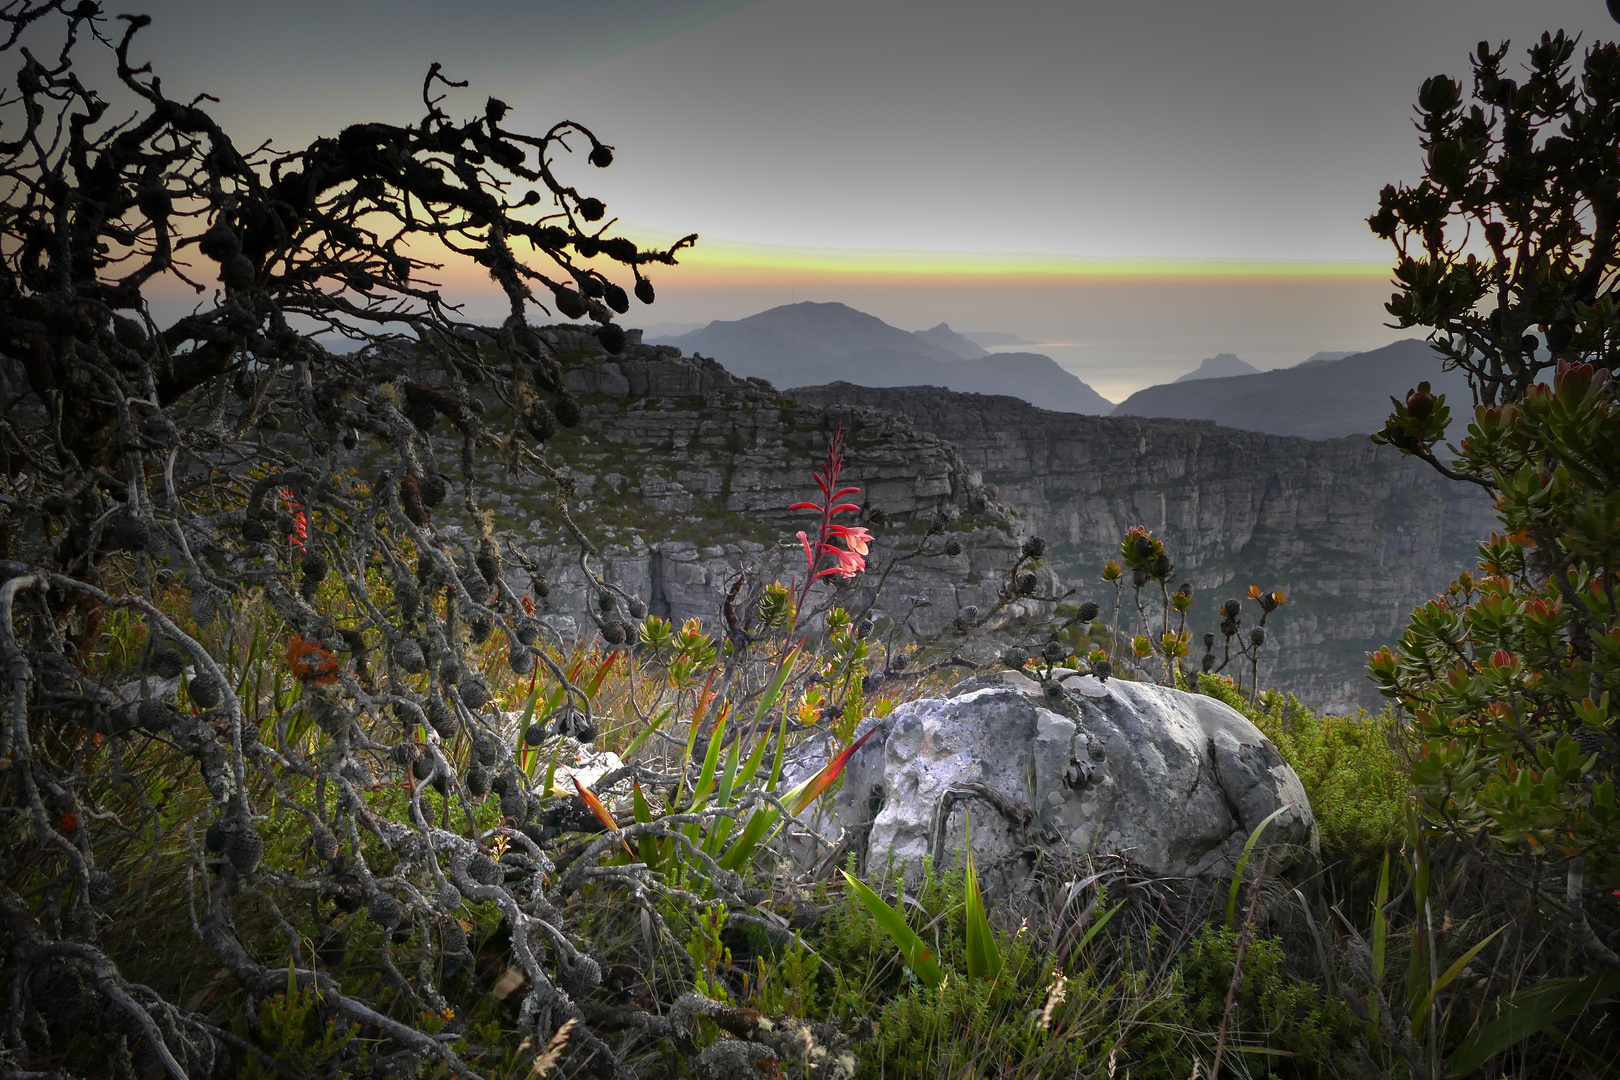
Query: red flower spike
x=849, y=560
x=299, y=537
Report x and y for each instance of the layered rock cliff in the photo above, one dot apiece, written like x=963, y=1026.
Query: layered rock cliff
x=685, y=473
x=1353, y=532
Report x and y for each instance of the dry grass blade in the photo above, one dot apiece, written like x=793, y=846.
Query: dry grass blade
x=553, y=1052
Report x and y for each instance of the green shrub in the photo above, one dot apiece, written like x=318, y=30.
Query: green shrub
x=1351, y=767
x=1272, y=1010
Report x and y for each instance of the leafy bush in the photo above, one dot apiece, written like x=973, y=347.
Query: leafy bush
x=1352, y=767
x=1308, y=1033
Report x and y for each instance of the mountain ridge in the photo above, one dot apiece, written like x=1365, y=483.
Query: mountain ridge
x=1353, y=532
x=811, y=343
x=1321, y=400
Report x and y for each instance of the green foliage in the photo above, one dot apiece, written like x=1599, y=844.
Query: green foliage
x=296, y=1031
x=1509, y=676
x=1351, y=767
x=918, y=956
x=1274, y=1009
x=1510, y=229
x=1528, y=1012
x=983, y=958
x=710, y=957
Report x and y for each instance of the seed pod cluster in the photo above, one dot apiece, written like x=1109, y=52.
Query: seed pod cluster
x=244, y=848
x=440, y=716
x=477, y=780
x=323, y=843
x=167, y=663
x=154, y=715
x=581, y=975
x=433, y=489
x=206, y=690
x=514, y=804
x=385, y=911
x=486, y=748
x=407, y=653
x=484, y=870
x=568, y=415
x=473, y=689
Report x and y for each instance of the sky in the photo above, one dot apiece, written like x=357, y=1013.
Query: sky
x=1135, y=186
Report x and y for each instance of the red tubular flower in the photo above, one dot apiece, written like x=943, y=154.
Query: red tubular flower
x=299, y=537
x=849, y=559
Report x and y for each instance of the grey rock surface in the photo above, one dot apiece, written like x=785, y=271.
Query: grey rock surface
x=1173, y=781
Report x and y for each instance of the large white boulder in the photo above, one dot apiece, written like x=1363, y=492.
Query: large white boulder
x=1171, y=780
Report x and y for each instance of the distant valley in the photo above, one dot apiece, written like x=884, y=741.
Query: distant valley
x=687, y=469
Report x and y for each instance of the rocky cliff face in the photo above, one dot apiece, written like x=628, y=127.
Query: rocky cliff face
x=685, y=473
x=1354, y=533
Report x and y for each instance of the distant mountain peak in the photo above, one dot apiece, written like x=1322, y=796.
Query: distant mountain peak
x=1220, y=366
x=946, y=338
x=810, y=343
x=1323, y=400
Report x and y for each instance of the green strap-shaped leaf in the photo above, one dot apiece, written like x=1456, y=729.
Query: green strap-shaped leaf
x=918, y=957
x=645, y=733
x=983, y=958
x=1529, y=1011
x=1243, y=862
x=720, y=828
x=1096, y=928
x=1426, y=1002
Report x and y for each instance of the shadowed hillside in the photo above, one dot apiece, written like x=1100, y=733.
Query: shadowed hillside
x=1321, y=400
x=809, y=344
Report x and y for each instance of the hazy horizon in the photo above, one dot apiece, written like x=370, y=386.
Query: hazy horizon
x=1148, y=186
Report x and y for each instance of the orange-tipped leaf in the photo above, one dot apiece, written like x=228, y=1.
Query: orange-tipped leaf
x=603, y=814
x=812, y=789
